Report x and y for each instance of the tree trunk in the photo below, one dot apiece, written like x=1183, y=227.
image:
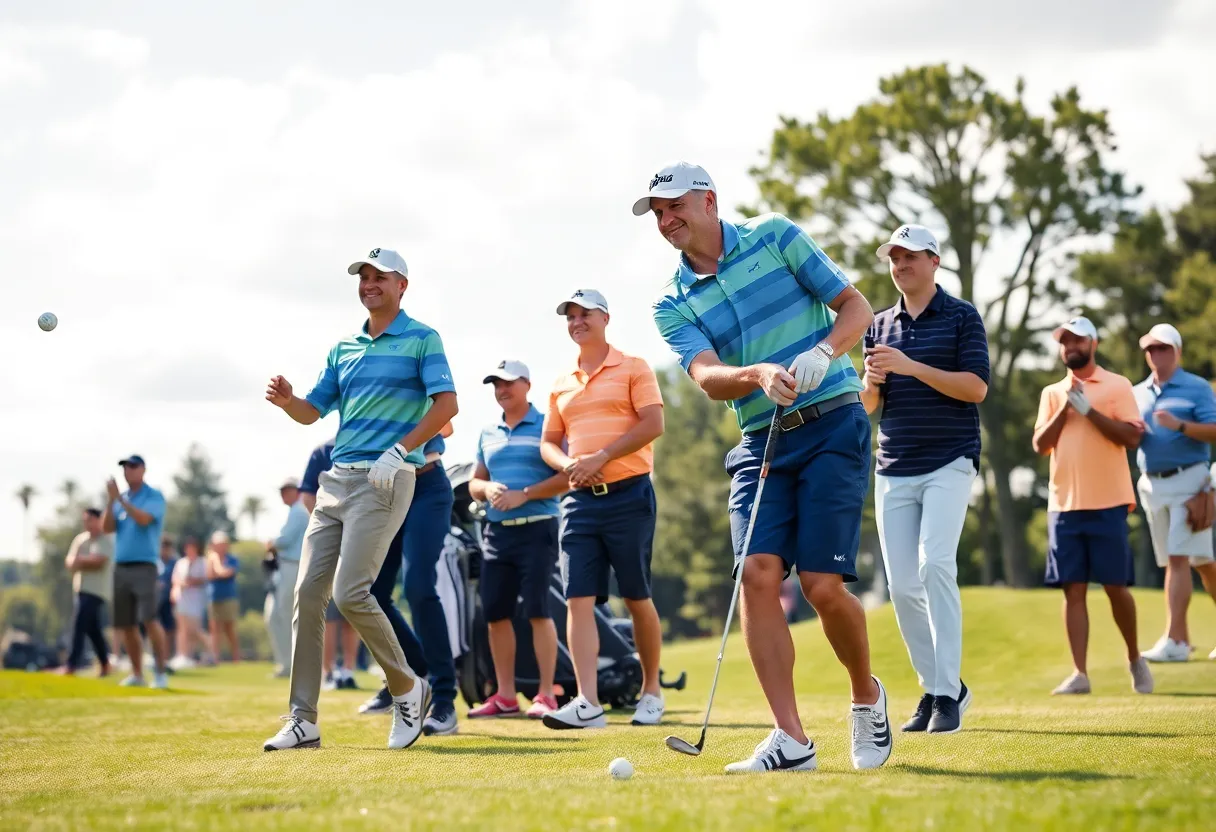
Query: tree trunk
x=989, y=562
x=1013, y=536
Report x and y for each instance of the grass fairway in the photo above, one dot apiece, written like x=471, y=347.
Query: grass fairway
x=84, y=754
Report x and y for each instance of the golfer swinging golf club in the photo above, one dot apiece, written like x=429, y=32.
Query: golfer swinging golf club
x=393, y=390
x=746, y=302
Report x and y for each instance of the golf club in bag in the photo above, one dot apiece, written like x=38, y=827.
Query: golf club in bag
x=770, y=446
x=619, y=669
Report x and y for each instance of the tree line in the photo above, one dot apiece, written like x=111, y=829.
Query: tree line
x=1036, y=225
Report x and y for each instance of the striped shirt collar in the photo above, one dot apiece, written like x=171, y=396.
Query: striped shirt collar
x=397, y=327
x=730, y=241
x=935, y=305
x=532, y=415
x=613, y=358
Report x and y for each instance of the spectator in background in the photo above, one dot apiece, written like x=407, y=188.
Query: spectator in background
x=91, y=561
x=286, y=551
x=189, y=595
x=164, y=589
x=1087, y=421
x=137, y=517
x=1179, y=412
x=223, y=604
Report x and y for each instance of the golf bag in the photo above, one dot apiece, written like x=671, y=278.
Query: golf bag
x=620, y=670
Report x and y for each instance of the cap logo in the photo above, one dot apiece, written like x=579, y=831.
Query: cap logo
x=374, y=253
x=577, y=294
x=502, y=365
x=905, y=233
x=701, y=183
x=660, y=179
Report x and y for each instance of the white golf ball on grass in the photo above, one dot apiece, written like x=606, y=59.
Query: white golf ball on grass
x=620, y=769
x=47, y=321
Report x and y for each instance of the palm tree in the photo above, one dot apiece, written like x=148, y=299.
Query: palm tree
x=253, y=508
x=70, y=489
x=25, y=494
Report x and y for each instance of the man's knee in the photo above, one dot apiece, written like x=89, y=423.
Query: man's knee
x=763, y=575
x=352, y=600
x=823, y=591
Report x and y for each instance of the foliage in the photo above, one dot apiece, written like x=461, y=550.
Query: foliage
x=199, y=507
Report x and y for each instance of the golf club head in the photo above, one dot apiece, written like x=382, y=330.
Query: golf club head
x=684, y=746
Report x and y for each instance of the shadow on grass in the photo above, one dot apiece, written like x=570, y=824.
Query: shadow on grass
x=1198, y=694
x=1011, y=776
x=1063, y=733
x=507, y=746
x=512, y=738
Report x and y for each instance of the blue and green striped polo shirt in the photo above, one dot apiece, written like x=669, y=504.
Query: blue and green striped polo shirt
x=381, y=387
x=767, y=303
x=512, y=456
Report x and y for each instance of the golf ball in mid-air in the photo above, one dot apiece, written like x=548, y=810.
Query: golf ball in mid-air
x=47, y=321
x=620, y=769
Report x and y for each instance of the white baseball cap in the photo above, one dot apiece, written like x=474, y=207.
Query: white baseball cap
x=290, y=482
x=508, y=371
x=384, y=259
x=1162, y=334
x=911, y=237
x=586, y=298
x=672, y=181
x=1079, y=326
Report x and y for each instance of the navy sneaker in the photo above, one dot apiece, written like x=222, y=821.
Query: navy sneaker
x=441, y=721
x=380, y=703
x=920, y=719
x=948, y=713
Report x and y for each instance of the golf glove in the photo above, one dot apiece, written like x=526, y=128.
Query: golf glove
x=809, y=368
x=1079, y=401
x=384, y=470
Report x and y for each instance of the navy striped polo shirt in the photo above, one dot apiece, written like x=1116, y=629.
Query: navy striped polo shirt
x=920, y=429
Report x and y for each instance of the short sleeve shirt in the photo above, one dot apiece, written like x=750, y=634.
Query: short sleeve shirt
x=594, y=410
x=1186, y=396
x=512, y=457
x=134, y=543
x=1088, y=471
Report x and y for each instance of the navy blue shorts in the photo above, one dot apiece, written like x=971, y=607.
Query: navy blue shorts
x=810, y=512
x=1089, y=546
x=615, y=530
x=518, y=564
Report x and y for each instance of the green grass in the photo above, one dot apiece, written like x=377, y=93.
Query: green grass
x=82, y=753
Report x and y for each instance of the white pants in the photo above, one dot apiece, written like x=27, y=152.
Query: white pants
x=920, y=520
x=278, y=609
x=1164, y=500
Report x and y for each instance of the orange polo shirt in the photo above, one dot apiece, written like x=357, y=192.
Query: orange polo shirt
x=1088, y=471
x=595, y=410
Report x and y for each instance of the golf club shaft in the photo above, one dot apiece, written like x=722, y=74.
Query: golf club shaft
x=769, y=448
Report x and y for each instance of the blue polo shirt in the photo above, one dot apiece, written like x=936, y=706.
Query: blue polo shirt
x=224, y=589
x=1190, y=398
x=920, y=429
x=381, y=387
x=134, y=543
x=512, y=456
x=767, y=303
x=434, y=445
x=320, y=461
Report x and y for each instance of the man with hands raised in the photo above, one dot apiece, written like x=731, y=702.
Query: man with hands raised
x=393, y=390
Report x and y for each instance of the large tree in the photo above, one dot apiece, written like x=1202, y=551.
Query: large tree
x=942, y=148
x=199, y=506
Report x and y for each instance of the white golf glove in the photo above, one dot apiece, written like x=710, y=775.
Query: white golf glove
x=384, y=470
x=809, y=368
x=1079, y=401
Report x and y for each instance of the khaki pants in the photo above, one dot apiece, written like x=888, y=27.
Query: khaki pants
x=344, y=547
x=278, y=611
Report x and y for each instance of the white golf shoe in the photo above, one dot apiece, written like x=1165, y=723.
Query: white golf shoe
x=1168, y=650
x=649, y=710
x=295, y=733
x=778, y=752
x=871, y=732
x=1212, y=655
x=409, y=711
x=577, y=713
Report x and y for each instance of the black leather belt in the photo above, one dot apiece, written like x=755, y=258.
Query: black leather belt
x=1163, y=475
x=426, y=467
x=602, y=488
x=797, y=418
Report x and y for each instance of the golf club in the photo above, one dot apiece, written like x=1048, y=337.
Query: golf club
x=676, y=743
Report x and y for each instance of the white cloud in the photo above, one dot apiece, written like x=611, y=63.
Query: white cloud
x=197, y=224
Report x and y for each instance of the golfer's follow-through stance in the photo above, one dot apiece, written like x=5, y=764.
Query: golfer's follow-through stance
x=747, y=302
x=393, y=390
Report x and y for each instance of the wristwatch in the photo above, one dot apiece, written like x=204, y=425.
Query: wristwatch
x=826, y=347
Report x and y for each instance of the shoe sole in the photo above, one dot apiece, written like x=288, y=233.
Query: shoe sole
x=310, y=744
x=455, y=729
x=638, y=722
x=375, y=711
x=1167, y=660
x=506, y=715
x=558, y=725
x=812, y=765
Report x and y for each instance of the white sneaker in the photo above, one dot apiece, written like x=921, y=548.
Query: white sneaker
x=133, y=682
x=181, y=663
x=1212, y=655
x=160, y=681
x=408, y=714
x=871, y=732
x=1142, y=677
x=295, y=733
x=1077, y=683
x=1168, y=650
x=778, y=752
x=577, y=713
x=649, y=710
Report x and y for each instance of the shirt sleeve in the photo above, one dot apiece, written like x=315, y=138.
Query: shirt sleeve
x=155, y=506
x=433, y=366
x=1205, y=404
x=105, y=546
x=77, y=542
x=811, y=267
x=683, y=336
x=324, y=393
x=973, y=345
x=481, y=454
x=1047, y=408
x=1126, y=409
x=181, y=570
x=293, y=530
x=553, y=418
x=310, y=482
x=643, y=386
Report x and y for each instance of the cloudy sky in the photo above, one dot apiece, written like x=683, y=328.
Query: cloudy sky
x=183, y=186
